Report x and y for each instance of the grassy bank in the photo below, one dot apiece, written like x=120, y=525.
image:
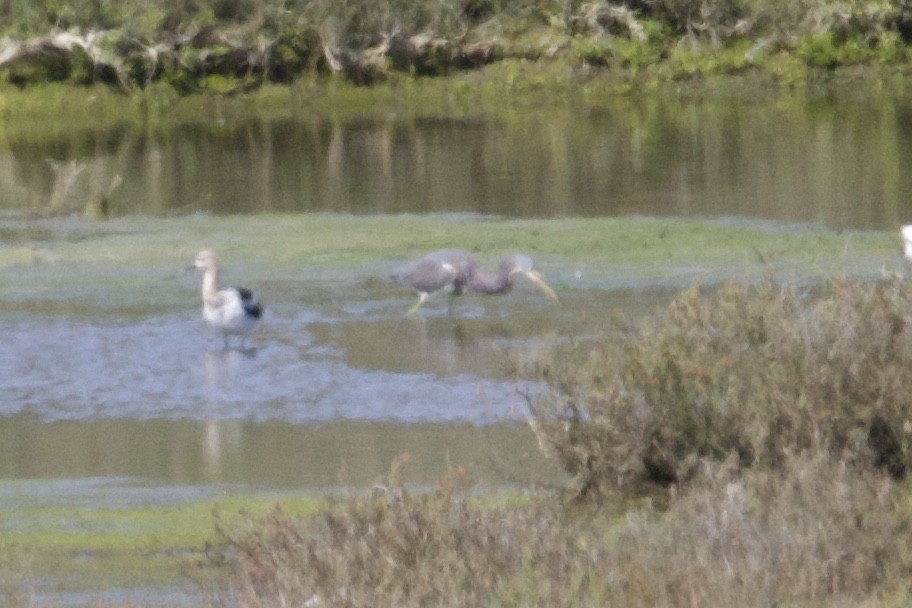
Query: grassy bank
x=65, y=548
x=45, y=259
x=234, y=46
x=503, y=91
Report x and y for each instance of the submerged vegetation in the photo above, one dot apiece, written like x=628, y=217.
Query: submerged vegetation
x=747, y=447
x=235, y=45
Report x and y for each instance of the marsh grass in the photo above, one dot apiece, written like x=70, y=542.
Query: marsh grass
x=747, y=374
x=652, y=41
x=815, y=533
x=49, y=262
x=392, y=548
x=85, y=549
x=744, y=447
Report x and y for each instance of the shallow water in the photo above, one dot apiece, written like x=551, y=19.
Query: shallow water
x=336, y=375
x=173, y=368
x=111, y=403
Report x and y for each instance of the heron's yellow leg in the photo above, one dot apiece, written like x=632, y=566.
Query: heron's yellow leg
x=421, y=299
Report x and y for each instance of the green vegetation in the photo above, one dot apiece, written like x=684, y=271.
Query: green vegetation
x=47, y=263
x=91, y=548
x=748, y=447
x=814, y=535
x=231, y=46
x=750, y=375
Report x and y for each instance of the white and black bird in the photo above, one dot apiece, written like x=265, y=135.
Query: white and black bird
x=232, y=310
x=458, y=271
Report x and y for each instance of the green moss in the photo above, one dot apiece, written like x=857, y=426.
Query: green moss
x=891, y=49
x=637, y=54
x=830, y=49
x=56, y=267
x=183, y=82
x=292, y=53
x=340, y=239
x=593, y=50
x=82, y=69
x=787, y=69
x=92, y=548
x=502, y=91
x=818, y=51
x=224, y=84
x=695, y=61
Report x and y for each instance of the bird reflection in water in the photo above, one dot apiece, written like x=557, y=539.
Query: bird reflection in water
x=220, y=368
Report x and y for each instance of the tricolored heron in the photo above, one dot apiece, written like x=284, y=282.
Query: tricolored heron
x=458, y=270
x=232, y=310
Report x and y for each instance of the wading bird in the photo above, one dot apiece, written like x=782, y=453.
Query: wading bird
x=232, y=310
x=906, y=233
x=457, y=270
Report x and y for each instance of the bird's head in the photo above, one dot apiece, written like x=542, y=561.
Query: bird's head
x=206, y=260
x=523, y=264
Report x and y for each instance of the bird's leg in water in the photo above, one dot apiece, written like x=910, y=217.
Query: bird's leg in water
x=421, y=298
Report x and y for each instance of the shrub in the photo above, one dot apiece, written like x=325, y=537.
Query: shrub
x=750, y=374
x=716, y=19
x=813, y=533
x=389, y=549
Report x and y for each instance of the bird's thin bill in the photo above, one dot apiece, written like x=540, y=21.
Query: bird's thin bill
x=536, y=278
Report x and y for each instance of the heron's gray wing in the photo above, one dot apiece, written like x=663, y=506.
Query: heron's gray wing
x=460, y=263
x=427, y=274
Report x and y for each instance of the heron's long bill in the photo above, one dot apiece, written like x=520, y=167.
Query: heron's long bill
x=536, y=278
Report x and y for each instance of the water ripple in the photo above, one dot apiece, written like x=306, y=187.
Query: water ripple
x=72, y=369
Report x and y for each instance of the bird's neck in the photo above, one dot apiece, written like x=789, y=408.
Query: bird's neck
x=488, y=283
x=210, y=285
